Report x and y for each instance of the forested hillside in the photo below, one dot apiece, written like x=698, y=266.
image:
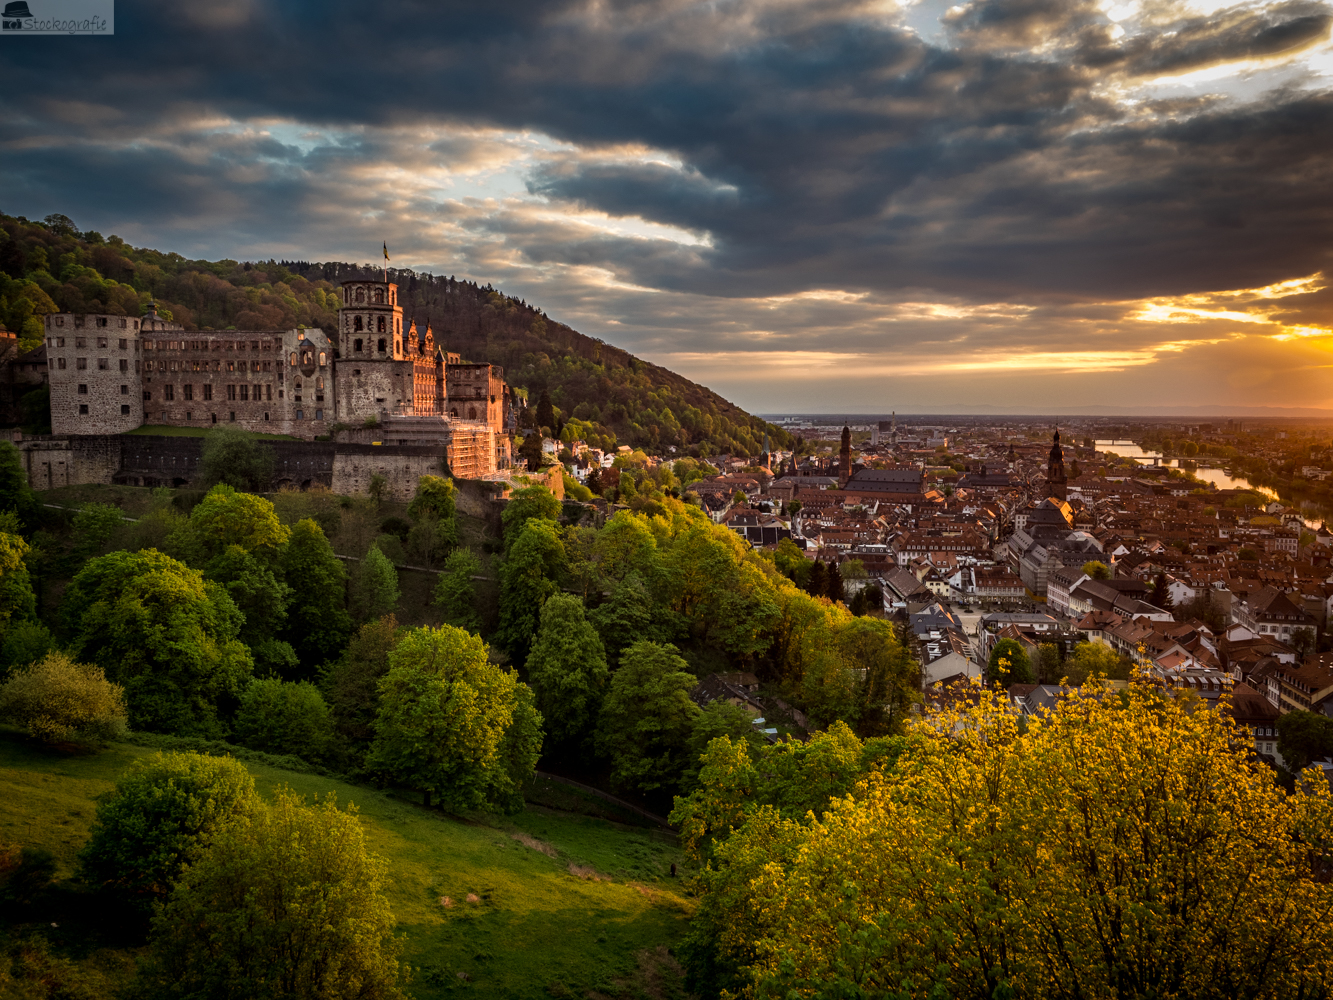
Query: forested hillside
x=611, y=396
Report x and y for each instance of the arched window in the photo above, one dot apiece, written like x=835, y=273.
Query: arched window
x=397, y=345
x=381, y=345
x=323, y=359
x=293, y=358
x=360, y=295
x=453, y=412
x=381, y=324
x=379, y=295
x=471, y=413
x=357, y=327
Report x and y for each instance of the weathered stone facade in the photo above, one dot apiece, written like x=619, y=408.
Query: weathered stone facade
x=94, y=366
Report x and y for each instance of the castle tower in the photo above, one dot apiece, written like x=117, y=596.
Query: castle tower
x=375, y=374
x=845, y=457
x=1056, y=483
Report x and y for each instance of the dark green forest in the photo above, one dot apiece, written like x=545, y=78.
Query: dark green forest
x=600, y=393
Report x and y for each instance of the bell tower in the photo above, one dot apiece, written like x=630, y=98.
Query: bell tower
x=845, y=457
x=1057, y=485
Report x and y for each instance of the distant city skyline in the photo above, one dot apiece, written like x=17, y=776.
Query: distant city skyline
x=993, y=204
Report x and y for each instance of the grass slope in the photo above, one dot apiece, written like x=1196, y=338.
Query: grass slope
x=565, y=906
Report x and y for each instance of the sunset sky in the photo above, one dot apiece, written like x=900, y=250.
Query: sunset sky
x=808, y=205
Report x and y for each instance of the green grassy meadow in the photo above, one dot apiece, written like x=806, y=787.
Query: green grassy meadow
x=543, y=904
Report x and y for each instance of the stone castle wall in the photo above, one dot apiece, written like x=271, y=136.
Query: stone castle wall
x=51, y=461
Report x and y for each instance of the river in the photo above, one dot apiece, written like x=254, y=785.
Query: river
x=1218, y=477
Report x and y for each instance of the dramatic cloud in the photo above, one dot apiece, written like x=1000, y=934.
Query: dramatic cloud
x=812, y=205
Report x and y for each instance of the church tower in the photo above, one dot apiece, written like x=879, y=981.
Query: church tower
x=1056, y=483
x=845, y=457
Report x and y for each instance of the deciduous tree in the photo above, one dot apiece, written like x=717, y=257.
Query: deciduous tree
x=568, y=669
x=1009, y=664
x=374, y=590
x=60, y=701
x=284, y=717
x=529, y=574
x=289, y=903
x=456, y=593
x=234, y=457
x=647, y=718
x=159, y=818
x=317, y=620
x=159, y=629
x=454, y=725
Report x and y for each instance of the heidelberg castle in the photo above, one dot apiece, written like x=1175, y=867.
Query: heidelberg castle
x=379, y=383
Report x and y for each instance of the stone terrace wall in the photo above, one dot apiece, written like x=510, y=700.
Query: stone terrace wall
x=400, y=465
x=51, y=461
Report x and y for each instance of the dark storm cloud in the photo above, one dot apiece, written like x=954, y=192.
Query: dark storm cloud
x=819, y=144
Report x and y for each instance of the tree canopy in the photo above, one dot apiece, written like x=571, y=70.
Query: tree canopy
x=454, y=725
x=158, y=628
x=1092, y=855
x=288, y=903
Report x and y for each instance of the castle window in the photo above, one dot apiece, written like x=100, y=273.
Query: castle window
x=245, y=393
x=300, y=415
x=360, y=295
x=60, y=363
x=379, y=295
x=319, y=414
x=80, y=341
x=254, y=345
x=83, y=389
x=124, y=409
x=60, y=321
x=380, y=325
x=147, y=397
x=101, y=321
x=124, y=390
x=208, y=392
x=269, y=394
x=382, y=343
x=103, y=364
x=215, y=418
x=323, y=359
x=124, y=364
x=233, y=416
x=189, y=391
x=80, y=363
x=168, y=392
x=122, y=326
x=147, y=345
x=356, y=344
x=101, y=342
x=319, y=383
x=60, y=342
x=265, y=414
x=231, y=392
x=357, y=327
x=268, y=366
x=124, y=344
x=231, y=366
x=293, y=358
x=83, y=409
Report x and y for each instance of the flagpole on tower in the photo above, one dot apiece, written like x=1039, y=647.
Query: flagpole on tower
x=386, y=262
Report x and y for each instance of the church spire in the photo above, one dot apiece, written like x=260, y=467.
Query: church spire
x=1056, y=483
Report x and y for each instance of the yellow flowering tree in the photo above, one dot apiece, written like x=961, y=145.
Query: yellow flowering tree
x=1125, y=846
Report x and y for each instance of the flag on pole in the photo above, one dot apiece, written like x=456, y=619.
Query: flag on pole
x=386, y=251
